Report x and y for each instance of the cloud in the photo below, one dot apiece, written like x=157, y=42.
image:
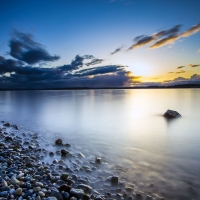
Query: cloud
x=95, y=61
x=198, y=51
x=24, y=48
x=164, y=37
x=194, y=79
x=16, y=74
x=142, y=40
x=162, y=42
x=190, y=31
x=173, y=37
x=180, y=72
x=170, y=72
x=101, y=70
x=116, y=50
x=191, y=65
x=21, y=71
x=180, y=67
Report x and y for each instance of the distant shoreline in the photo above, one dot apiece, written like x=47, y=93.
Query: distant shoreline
x=97, y=88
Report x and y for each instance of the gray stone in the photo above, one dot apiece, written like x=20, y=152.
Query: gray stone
x=114, y=180
x=73, y=198
x=66, y=195
x=79, y=193
x=5, y=188
x=40, y=193
x=18, y=191
x=3, y=194
x=64, y=152
x=38, y=184
x=171, y=114
x=58, y=141
x=148, y=197
x=64, y=176
x=51, y=198
x=57, y=195
x=14, y=181
x=11, y=191
x=37, y=189
x=86, y=188
x=98, y=160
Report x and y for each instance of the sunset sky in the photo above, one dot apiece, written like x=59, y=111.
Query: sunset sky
x=98, y=43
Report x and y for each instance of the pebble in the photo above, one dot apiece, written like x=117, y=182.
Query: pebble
x=3, y=194
x=18, y=192
x=64, y=176
x=114, y=180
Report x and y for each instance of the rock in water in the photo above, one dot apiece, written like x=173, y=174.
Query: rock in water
x=98, y=160
x=114, y=180
x=58, y=141
x=171, y=114
x=64, y=152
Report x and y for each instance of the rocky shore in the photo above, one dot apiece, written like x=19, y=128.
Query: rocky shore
x=25, y=175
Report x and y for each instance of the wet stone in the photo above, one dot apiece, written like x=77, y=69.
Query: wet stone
x=50, y=198
x=3, y=194
x=66, y=195
x=148, y=197
x=138, y=196
x=40, y=193
x=65, y=188
x=58, y=141
x=7, y=124
x=86, y=188
x=98, y=160
x=11, y=191
x=114, y=180
x=64, y=152
x=4, y=188
x=57, y=195
x=14, y=181
x=18, y=192
x=51, y=153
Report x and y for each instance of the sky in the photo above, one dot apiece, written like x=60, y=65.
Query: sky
x=98, y=43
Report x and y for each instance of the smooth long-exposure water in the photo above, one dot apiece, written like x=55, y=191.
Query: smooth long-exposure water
x=124, y=127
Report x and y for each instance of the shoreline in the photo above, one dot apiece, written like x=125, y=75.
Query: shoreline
x=24, y=174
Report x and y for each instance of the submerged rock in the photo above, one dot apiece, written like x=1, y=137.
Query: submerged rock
x=171, y=114
x=114, y=180
x=98, y=160
x=64, y=152
x=58, y=141
x=64, y=176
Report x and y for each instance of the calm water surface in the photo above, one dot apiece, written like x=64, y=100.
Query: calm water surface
x=126, y=128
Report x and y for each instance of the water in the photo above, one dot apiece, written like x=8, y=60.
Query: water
x=126, y=128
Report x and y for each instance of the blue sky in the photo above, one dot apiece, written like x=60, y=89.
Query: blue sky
x=67, y=28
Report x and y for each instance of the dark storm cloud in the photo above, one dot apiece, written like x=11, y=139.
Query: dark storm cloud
x=24, y=48
x=101, y=70
x=21, y=72
x=116, y=50
x=15, y=74
x=180, y=67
